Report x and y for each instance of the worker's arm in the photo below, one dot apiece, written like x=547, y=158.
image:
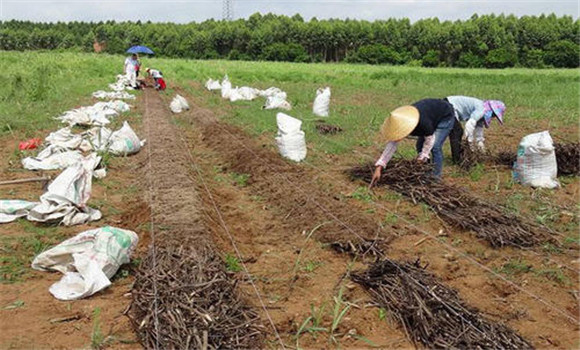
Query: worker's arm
x=471, y=124
x=427, y=147
x=383, y=160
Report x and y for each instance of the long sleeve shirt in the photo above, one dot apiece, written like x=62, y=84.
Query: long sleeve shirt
x=469, y=109
x=392, y=147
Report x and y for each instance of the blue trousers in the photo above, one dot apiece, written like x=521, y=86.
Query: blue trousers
x=441, y=133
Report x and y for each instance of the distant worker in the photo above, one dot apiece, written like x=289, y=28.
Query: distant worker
x=429, y=119
x=477, y=114
x=130, y=68
x=157, y=77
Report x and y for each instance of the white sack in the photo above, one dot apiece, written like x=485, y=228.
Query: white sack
x=213, y=85
x=290, y=139
x=226, y=87
x=113, y=94
x=277, y=101
x=88, y=261
x=11, y=209
x=124, y=141
x=179, y=104
x=321, y=102
x=52, y=158
x=271, y=91
x=67, y=196
x=66, y=140
x=244, y=93
x=536, y=162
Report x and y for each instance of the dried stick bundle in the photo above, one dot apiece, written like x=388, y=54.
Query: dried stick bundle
x=432, y=313
x=324, y=128
x=184, y=299
x=455, y=205
x=568, y=158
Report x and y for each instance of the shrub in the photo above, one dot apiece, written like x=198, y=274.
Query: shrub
x=285, y=52
x=562, y=54
x=501, y=58
x=431, y=58
x=375, y=54
x=469, y=60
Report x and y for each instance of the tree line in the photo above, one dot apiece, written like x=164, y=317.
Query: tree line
x=491, y=41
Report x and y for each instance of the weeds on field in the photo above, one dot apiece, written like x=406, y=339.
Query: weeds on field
x=362, y=193
x=515, y=267
x=97, y=337
x=382, y=314
x=554, y=274
x=233, y=263
x=15, y=305
x=240, y=179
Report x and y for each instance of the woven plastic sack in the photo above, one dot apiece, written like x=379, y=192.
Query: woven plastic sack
x=321, y=102
x=290, y=139
x=536, y=164
x=87, y=260
x=213, y=85
x=179, y=104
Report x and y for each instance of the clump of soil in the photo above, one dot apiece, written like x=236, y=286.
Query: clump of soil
x=324, y=128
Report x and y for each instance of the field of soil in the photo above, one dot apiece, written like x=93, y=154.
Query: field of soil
x=286, y=239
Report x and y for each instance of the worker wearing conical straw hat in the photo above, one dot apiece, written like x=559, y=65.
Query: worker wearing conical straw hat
x=430, y=120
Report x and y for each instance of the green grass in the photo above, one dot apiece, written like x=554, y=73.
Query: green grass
x=19, y=251
x=233, y=263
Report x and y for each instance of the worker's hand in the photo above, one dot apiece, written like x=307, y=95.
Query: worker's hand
x=422, y=159
x=480, y=146
x=376, y=176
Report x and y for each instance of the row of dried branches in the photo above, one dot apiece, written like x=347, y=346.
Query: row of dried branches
x=432, y=313
x=184, y=298
x=456, y=206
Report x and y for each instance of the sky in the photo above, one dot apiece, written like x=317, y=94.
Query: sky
x=183, y=11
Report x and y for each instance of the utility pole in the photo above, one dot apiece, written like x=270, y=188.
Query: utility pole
x=228, y=10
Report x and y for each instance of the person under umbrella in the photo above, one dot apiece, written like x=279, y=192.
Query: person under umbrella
x=431, y=120
x=477, y=114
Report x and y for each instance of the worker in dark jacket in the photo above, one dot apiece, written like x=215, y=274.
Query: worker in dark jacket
x=430, y=120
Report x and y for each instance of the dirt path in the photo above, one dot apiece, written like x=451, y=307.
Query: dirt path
x=290, y=192
x=183, y=295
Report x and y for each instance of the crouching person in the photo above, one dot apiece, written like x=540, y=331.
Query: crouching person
x=431, y=120
x=157, y=77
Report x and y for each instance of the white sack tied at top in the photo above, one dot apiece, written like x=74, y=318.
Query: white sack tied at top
x=211, y=85
x=290, y=139
x=536, y=164
x=66, y=199
x=321, y=102
x=179, y=104
x=88, y=261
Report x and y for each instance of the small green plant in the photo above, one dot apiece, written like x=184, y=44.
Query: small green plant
x=551, y=248
x=554, y=274
x=240, y=179
x=311, y=266
x=15, y=305
x=456, y=242
x=382, y=314
x=338, y=312
x=391, y=219
x=97, y=337
x=515, y=267
x=233, y=263
x=361, y=193
x=477, y=172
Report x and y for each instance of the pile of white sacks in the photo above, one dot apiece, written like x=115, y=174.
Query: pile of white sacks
x=89, y=259
x=290, y=138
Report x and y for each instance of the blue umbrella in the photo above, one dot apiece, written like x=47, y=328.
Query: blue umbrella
x=140, y=49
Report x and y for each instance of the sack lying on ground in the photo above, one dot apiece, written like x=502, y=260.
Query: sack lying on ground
x=12, y=209
x=124, y=141
x=290, y=139
x=226, y=87
x=271, y=91
x=66, y=140
x=536, y=162
x=277, y=101
x=244, y=93
x=113, y=94
x=52, y=158
x=179, y=104
x=321, y=102
x=87, y=260
x=67, y=196
x=213, y=85
x=123, y=82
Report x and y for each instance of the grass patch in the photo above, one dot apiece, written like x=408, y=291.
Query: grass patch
x=233, y=263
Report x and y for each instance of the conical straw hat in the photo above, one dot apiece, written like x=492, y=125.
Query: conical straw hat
x=400, y=123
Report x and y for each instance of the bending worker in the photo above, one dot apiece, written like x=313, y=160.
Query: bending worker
x=478, y=114
x=157, y=77
x=429, y=119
